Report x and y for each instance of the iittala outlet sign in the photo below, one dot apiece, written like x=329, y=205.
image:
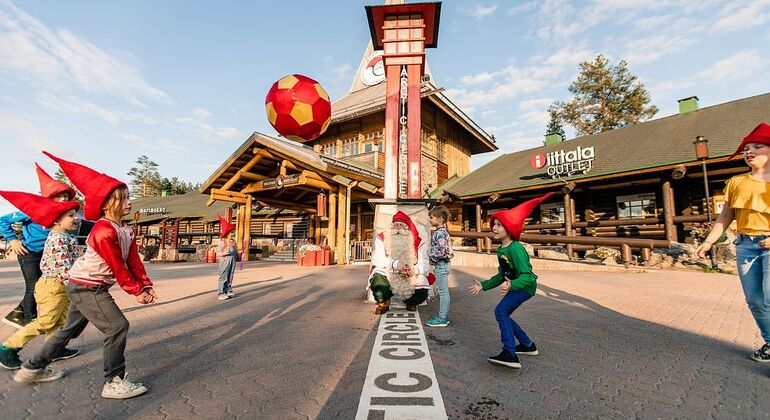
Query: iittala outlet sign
x=564, y=163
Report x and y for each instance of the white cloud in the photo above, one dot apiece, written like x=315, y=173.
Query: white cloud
x=535, y=104
x=208, y=131
x=161, y=144
x=57, y=59
x=647, y=50
x=201, y=113
x=743, y=15
x=76, y=105
x=478, y=11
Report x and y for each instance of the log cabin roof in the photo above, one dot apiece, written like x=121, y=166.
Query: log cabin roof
x=648, y=146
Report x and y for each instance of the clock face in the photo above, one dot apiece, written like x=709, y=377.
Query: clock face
x=374, y=70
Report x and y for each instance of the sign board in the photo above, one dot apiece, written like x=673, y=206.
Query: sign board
x=373, y=72
x=565, y=163
x=281, y=181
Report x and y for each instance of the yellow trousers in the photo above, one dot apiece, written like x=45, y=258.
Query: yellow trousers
x=52, y=307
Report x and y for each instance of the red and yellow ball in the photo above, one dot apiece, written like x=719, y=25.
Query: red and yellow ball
x=298, y=108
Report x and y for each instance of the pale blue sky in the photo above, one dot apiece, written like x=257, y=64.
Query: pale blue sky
x=184, y=81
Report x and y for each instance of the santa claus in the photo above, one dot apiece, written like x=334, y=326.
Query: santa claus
x=400, y=265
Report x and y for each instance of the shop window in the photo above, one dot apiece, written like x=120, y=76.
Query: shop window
x=636, y=206
x=552, y=213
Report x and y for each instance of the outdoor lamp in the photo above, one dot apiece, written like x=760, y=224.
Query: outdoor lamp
x=321, y=204
x=701, y=147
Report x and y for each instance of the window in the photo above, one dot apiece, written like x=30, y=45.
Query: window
x=425, y=142
x=330, y=149
x=636, y=206
x=552, y=213
x=350, y=146
x=367, y=147
x=441, y=149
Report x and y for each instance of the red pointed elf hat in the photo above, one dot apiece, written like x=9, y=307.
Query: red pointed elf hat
x=513, y=219
x=225, y=227
x=43, y=211
x=761, y=134
x=404, y=218
x=95, y=186
x=50, y=187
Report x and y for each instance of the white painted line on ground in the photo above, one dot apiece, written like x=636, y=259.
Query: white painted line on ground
x=400, y=382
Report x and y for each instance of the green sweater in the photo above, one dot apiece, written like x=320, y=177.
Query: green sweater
x=514, y=266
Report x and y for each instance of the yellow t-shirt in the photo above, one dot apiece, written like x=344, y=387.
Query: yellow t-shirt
x=750, y=200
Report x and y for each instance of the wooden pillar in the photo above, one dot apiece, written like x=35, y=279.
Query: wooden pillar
x=358, y=222
x=247, y=228
x=668, y=211
x=331, y=234
x=392, y=86
x=625, y=254
x=341, y=223
x=311, y=226
x=478, y=226
x=568, y=221
x=239, y=216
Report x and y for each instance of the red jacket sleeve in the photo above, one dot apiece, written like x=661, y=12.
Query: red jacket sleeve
x=136, y=267
x=104, y=240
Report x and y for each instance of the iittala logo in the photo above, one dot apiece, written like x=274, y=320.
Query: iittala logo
x=563, y=163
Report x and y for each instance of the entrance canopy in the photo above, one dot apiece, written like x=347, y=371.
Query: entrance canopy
x=283, y=174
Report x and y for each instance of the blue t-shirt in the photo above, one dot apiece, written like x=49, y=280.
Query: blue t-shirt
x=33, y=236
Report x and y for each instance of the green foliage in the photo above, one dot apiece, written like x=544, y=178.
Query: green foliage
x=555, y=124
x=145, y=178
x=606, y=97
x=175, y=186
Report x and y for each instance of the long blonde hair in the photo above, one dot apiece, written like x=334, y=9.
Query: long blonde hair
x=113, y=206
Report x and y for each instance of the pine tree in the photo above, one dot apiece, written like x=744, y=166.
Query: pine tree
x=145, y=179
x=606, y=97
x=554, y=125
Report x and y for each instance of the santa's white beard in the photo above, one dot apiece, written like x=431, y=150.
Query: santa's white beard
x=400, y=247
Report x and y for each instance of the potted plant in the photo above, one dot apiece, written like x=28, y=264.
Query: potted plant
x=308, y=254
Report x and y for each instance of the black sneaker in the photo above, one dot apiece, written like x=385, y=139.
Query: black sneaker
x=527, y=351
x=9, y=358
x=762, y=355
x=15, y=319
x=505, y=359
x=64, y=353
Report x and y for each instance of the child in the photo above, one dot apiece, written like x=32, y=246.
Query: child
x=59, y=252
x=29, y=249
x=520, y=282
x=747, y=200
x=226, y=251
x=111, y=257
x=440, y=254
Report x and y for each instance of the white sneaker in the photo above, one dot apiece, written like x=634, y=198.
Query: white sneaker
x=46, y=374
x=223, y=296
x=230, y=294
x=121, y=389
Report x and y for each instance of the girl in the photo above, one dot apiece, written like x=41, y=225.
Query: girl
x=226, y=251
x=747, y=200
x=111, y=257
x=440, y=254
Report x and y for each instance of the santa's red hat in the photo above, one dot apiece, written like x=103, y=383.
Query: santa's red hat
x=43, y=211
x=513, y=219
x=95, y=186
x=225, y=227
x=761, y=134
x=404, y=218
x=50, y=187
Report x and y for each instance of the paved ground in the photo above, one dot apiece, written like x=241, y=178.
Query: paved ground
x=296, y=342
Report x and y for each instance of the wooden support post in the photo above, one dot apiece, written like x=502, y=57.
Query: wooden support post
x=341, y=223
x=239, y=227
x=247, y=228
x=478, y=226
x=358, y=222
x=625, y=254
x=311, y=226
x=668, y=212
x=331, y=234
x=317, y=221
x=568, y=222
x=645, y=254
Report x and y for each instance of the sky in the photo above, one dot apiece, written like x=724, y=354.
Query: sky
x=184, y=82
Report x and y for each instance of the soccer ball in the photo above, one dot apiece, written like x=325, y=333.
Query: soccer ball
x=298, y=108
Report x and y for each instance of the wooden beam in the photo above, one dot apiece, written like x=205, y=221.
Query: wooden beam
x=226, y=198
x=240, y=172
x=253, y=177
x=285, y=204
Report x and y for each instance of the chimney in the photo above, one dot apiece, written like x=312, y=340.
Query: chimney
x=688, y=104
x=552, y=139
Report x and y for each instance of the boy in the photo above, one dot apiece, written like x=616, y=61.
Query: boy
x=520, y=282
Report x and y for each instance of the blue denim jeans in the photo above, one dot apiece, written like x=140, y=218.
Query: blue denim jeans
x=442, y=283
x=508, y=327
x=753, y=266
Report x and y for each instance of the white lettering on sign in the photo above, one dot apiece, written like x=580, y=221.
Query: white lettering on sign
x=567, y=163
x=154, y=210
x=400, y=382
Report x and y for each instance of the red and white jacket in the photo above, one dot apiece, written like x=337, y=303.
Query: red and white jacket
x=382, y=263
x=111, y=257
